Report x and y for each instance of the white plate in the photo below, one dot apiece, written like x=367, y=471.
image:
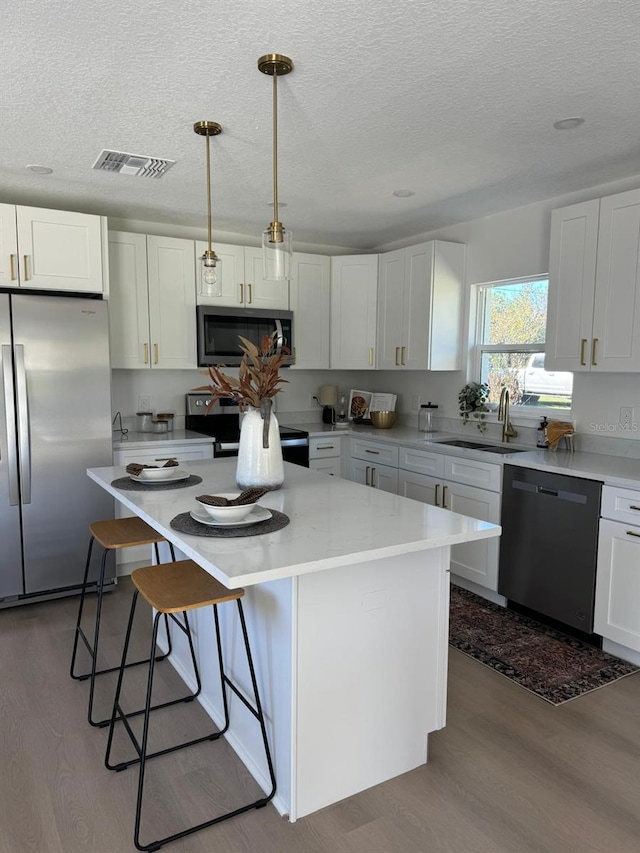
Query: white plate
x=173, y=476
x=256, y=515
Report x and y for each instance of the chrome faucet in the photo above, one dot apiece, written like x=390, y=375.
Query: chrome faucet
x=508, y=430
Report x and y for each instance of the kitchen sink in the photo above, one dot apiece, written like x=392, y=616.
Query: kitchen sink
x=476, y=445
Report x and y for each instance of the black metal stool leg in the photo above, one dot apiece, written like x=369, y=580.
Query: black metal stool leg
x=116, y=702
x=96, y=637
x=78, y=630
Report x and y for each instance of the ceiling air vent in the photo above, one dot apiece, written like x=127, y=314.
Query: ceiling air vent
x=132, y=164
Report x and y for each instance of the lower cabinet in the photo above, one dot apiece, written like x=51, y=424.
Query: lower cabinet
x=325, y=455
x=157, y=454
x=617, y=614
x=466, y=486
x=375, y=475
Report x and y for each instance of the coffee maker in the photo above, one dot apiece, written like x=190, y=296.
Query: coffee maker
x=328, y=398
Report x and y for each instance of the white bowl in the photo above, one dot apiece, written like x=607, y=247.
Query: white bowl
x=227, y=513
x=159, y=473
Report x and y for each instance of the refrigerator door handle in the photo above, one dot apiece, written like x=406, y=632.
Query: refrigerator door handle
x=10, y=415
x=24, y=439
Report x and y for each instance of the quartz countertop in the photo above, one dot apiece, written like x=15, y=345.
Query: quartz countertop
x=139, y=440
x=334, y=523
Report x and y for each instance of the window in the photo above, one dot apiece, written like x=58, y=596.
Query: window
x=509, y=351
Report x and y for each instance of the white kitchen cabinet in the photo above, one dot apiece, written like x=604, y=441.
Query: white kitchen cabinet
x=354, y=288
x=466, y=486
x=373, y=474
x=45, y=249
x=152, y=305
x=420, y=294
x=155, y=454
x=325, y=454
x=617, y=610
x=593, y=315
x=242, y=281
x=310, y=301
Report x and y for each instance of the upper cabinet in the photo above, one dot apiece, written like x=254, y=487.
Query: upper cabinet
x=152, y=306
x=593, y=316
x=243, y=284
x=45, y=249
x=354, y=288
x=310, y=302
x=420, y=307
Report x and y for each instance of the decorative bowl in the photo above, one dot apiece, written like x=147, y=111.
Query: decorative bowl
x=383, y=420
x=227, y=513
x=159, y=474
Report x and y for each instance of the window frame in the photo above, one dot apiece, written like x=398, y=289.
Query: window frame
x=477, y=348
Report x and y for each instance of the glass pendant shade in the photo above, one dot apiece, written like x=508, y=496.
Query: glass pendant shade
x=210, y=275
x=276, y=254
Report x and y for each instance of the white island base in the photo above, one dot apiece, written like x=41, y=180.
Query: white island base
x=350, y=647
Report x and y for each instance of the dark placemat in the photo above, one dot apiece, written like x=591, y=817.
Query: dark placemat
x=183, y=523
x=126, y=484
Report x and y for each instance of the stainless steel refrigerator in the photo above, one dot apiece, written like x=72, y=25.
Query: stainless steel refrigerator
x=55, y=422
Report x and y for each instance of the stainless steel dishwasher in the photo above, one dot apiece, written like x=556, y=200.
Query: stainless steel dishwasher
x=549, y=544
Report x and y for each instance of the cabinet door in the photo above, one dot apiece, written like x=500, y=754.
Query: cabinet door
x=310, y=291
x=8, y=246
x=172, y=302
x=390, y=310
x=384, y=478
x=617, y=615
x=616, y=320
x=476, y=561
x=354, y=286
x=420, y=487
x=416, y=307
x=231, y=273
x=128, y=300
x=59, y=250
x=360, y=472
x=260, y=293
x=572, y=277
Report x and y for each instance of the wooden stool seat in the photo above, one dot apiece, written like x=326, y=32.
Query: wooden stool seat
x=115, y=533
x=183, y=585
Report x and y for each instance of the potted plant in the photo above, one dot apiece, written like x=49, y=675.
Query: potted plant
x=472, y=402
x=259, y=380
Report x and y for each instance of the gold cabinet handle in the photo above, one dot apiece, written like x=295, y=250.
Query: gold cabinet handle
x=241, y=292
x=370, y=356
x=373, y=452
x=146, y=353
x=155, y=353
x=437, y=493
x=631, y=533
x=373, y=471
x=593, y=352
x=250, y=295
x=444, y=497
x=12, y=260
x=366, y=477
x=325, y=447
x=397, y=354
x=402, y=355
x=26, y=267
x=631, y=506
x=583, y=344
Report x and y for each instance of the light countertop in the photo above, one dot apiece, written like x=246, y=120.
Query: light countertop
x=139, y=440
x=333, y=523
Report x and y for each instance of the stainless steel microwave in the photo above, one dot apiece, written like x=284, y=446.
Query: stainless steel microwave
x=219, y=330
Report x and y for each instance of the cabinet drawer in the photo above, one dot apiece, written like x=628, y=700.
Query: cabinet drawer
x=421, y=462
x=470, y=472
x=323, y=448
x=375, y=452
x=326, y=466
x=620, y=504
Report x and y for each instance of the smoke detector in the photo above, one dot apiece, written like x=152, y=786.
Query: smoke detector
x=137, y=165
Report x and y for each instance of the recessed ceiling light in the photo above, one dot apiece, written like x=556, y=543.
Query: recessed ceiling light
x=40, y=170
x=568, y=123
x=403, y=193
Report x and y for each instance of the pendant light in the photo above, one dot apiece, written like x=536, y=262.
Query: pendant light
x=276, y=240
x=210, y=273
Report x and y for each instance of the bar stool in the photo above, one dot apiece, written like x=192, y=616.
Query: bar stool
x=172, y=588
x=112, y=534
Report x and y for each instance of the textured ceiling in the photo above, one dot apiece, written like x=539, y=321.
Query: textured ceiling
x=452, y=99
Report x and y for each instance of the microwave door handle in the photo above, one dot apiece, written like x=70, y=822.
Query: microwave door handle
x=279, y=336
x=9, y=411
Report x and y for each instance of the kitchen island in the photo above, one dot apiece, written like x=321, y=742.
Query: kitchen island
x=347, y=609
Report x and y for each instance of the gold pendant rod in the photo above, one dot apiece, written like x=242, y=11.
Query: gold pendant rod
x=208, y=194
x=275, y=147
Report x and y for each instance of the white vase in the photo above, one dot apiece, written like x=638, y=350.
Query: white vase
x=259, y=465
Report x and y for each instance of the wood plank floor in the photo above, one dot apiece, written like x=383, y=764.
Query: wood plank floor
x=509, y=774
